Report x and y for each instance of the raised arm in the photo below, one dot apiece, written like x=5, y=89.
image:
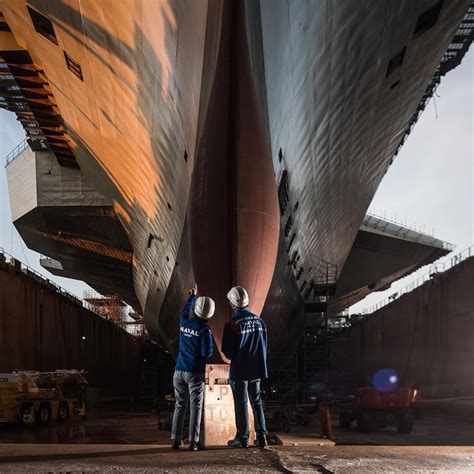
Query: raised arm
x=188, y=306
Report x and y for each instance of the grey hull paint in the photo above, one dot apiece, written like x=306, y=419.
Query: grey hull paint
x=329, y=104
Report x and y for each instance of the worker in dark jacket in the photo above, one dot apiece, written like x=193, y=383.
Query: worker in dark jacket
x=195, y=347
x=245, y=344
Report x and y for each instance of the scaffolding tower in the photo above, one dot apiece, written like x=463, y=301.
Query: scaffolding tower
x=111, y=307
x=281, y=388
x=314, y=364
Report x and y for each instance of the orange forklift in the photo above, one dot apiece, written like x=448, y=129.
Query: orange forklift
x=372, y=408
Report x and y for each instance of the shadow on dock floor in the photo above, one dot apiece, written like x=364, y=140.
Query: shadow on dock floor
x=130, y=440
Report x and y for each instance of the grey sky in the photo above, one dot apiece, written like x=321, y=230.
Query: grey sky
x=429, y=185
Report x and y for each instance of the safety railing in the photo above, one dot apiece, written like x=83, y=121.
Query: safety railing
x=371, y=218
x=372, y=214
x=16, y=152
x=434, y=270
x=135, y=325
x=17, y=264
x=452, y=57
x=134, y=328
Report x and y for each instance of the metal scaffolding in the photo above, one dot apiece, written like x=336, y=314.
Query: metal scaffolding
x=111, y=307
x=316, y=349
x=451, y=58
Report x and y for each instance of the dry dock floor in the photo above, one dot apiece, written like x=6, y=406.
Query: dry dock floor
x=125, y=440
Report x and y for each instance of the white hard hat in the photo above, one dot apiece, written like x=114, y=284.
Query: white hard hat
x=238, y=297
x=204, y=307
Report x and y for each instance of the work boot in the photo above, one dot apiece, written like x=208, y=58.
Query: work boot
x=176, y=444
x=261, y=441
x=195, y=446
x=238, y=443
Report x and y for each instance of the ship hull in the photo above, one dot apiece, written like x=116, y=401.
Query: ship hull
x=235, y=142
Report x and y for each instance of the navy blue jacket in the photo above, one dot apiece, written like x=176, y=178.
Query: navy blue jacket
x=195, y=341
x=245, y=344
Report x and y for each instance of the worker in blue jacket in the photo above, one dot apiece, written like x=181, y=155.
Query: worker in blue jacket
x=195, y=347
x=244, y=343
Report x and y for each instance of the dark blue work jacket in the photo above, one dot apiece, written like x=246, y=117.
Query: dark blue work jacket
x=195, y=341
x=245, y=344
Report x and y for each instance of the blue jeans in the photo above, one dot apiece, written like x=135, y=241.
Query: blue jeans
x=187, y=385
x=242, y=390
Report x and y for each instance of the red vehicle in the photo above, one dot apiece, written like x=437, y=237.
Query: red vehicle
x=374, y=408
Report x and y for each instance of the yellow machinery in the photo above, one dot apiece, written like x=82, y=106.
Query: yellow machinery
x=38, y=397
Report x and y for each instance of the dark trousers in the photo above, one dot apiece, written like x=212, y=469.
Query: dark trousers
x=242, y=390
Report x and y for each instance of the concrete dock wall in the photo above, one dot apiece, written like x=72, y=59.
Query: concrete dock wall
x=427, y=336
x=43, y=330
